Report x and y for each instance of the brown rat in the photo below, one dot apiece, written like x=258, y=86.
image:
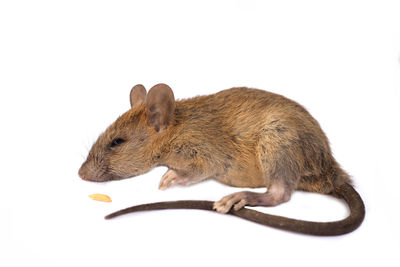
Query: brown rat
x=241, y=137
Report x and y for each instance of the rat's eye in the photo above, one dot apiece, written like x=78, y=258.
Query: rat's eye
x=116, y=142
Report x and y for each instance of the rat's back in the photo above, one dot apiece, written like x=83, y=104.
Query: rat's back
x=253, y=126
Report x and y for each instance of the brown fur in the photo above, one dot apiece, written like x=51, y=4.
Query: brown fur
x=241, y=137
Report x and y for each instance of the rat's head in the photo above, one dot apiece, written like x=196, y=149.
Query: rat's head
x=125, y=149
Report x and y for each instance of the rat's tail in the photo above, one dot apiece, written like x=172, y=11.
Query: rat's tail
x=345, y=191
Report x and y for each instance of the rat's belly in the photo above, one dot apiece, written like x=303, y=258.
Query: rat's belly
x=252, y=178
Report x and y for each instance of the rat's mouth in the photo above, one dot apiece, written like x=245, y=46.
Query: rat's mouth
x=101, y=178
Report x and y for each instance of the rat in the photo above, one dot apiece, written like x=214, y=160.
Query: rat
x=241, y=137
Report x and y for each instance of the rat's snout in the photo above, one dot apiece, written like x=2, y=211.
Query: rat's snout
x=83, y=173
x=87, y=173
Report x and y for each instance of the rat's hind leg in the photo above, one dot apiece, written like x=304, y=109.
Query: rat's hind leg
x=275, y=195
x=280, y=169
x=175, y=177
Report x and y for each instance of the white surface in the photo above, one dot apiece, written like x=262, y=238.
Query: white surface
x=66, y=70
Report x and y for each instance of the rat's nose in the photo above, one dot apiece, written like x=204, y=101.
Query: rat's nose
x=87, y=174
x=82, y=173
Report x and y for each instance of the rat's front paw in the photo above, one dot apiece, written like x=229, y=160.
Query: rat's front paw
x=170, y=178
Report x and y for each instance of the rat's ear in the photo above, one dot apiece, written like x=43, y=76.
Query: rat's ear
x=160, y=106
x=137, y=95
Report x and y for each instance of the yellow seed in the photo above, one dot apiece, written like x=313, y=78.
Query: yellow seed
x=100, y=197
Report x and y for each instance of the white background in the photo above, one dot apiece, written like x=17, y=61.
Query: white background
x=66, y=71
